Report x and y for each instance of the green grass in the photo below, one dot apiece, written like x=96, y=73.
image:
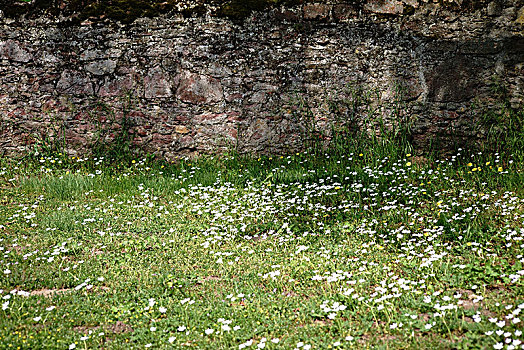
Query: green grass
x=361, y=246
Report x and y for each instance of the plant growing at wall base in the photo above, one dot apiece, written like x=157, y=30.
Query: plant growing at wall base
x=357, y=120
x=113, y=138
x=503, y=125
x=50, y=141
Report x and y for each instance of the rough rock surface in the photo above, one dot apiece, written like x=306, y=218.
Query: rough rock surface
x=207, y=84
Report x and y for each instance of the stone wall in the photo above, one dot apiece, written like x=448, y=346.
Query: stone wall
x=188, y=85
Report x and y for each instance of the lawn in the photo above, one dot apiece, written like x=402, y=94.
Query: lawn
x=357, y=249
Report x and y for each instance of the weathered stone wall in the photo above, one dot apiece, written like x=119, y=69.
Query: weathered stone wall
x=200, y=84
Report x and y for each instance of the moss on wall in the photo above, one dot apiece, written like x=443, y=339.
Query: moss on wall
x=126, y=11
x=240, y=9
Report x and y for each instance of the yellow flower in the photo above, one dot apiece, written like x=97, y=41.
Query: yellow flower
x=337, y=188
x=408, y=164
x=133, y=161
x=470, y=164
x=474, y=169
x=408, y=155
x=360, y=155
x=500, y=168
x=488, y=163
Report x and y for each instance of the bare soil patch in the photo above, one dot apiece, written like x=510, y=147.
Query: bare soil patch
x=49, y=292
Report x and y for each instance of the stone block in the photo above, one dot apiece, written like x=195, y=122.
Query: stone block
x=391, y=7
x=494, y=9
x=156, y=84
x=160, y=139
x=13, y=51
x=286, y=14
x=520, y=16
x=89, y=55
x=101, y=67
x=181, y=129
x=316, y=11
x=118, y=86
x=343, y=12
x=74, y=83
x=210, y=118
x=198, y=88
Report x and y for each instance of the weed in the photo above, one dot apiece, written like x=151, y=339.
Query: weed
x=503, y=125
x=113, y=138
